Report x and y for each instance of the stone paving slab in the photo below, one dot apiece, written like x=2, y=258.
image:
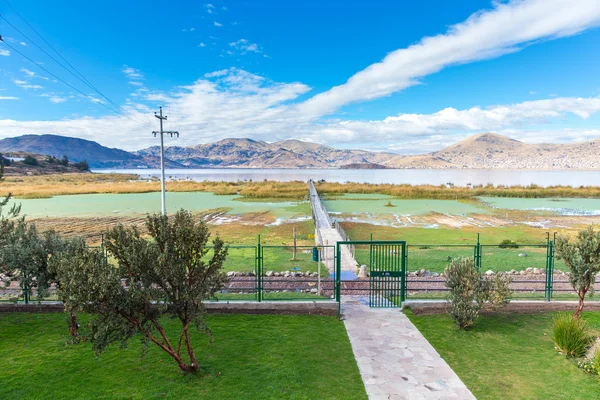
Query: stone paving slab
x=394, y=358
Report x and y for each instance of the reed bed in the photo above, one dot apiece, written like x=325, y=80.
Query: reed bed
x=51, y=185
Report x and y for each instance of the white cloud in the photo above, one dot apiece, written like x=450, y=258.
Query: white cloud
x=23, y=43
x=26, y=85
x=8, y=98
x=27, y=72
x=236, y=103
x=132, y=73
x=135, y=83
x=202, y=44
x=506, y=28
x=243, y=46
x=57, y=99
x=4, y=52
x=217, y=24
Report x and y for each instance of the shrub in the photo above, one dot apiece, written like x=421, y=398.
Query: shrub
x=82, y=165
x=467, y=292
x=508, y=244
x=470, y=291
x=570, y=335
x=499, y=290
x=29, y=160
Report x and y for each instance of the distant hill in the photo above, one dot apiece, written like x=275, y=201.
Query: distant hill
x=484, y=151
x=22, y=163
x=76, y=149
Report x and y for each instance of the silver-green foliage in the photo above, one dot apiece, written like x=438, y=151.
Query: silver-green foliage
x=168, y=275
x=24, y=255
x=470, y=291
x=582, y=256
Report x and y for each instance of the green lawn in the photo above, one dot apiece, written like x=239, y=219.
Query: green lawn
x=510, y=356
x=252, y=357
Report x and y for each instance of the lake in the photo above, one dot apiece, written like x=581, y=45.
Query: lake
x=87, y=205
x=459, y=177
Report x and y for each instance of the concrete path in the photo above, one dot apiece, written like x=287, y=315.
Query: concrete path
x=394, y=359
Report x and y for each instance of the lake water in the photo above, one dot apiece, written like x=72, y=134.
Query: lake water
x=459, y=177
x=83, y=205
x=565, y=206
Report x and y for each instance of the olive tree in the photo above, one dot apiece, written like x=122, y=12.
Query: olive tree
x=582, y=256
x=171, y=274
x=470, y=291
x=24, y=255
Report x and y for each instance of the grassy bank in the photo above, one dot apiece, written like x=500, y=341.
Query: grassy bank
x=509, y=357
x=252, y=357
x=50, y=185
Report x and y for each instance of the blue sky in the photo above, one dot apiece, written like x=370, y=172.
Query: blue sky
x=409, y=77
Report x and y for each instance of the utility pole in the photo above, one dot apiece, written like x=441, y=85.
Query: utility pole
x=162, y=158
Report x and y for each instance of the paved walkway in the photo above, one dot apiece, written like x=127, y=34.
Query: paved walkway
x=394, y=359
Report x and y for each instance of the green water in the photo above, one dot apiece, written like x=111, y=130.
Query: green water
x=564, y=206
x=402, y=207
x=142, y=203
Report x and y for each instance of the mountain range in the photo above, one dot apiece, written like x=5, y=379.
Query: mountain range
x=484, y=151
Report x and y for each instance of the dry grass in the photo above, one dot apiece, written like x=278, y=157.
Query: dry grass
x=50, y=185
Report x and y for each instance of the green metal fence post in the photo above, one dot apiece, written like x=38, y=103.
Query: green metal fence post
x=259, y=271
x=477, y=253
x=338, y=271
x=547, y=288
x=403, y=275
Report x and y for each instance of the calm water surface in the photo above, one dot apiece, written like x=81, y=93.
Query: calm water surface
x=459, y=177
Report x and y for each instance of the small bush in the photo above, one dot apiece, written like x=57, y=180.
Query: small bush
x=467, y=291
x=29, y=160
x=570, y=335
x=82, y=165
x=470, y=291
x=508, y=244
x=499, y=290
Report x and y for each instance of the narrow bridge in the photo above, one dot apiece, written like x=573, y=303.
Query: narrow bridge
x=328, y=233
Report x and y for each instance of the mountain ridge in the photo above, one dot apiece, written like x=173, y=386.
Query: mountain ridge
x=482, y=151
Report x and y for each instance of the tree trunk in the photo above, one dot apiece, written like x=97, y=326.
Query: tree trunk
x=190, y=350
x=581, y=295
x=73, y=325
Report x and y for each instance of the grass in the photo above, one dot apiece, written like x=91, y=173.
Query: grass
x=252, y=357
x=60, y=184
x=509, y=356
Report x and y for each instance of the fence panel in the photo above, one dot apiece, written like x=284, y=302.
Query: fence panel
x=294, y=275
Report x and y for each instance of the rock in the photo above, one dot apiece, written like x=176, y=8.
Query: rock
x=362, y=271
x=277, y=274
x=522, y=272
x=251, y=273
x=536, y=271
x=269, y=273
x=522, y=254
x=529, y=270
x=426, y=274
x=489, y=272
x=412, y=274
x=230, y=274
x=512, y=272
x=314, y=290
x=435, y=274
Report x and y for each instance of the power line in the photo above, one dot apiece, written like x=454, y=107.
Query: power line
x=60, y=79
x=76, y=74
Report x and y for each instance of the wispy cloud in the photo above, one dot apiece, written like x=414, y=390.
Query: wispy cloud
x=26, y=85
x=4, y=52
x=243, y=46
x=132, y=73
x=27, y=72
x=483, y=35
x=201, y=44
x=217, y=24
x=8, y=98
